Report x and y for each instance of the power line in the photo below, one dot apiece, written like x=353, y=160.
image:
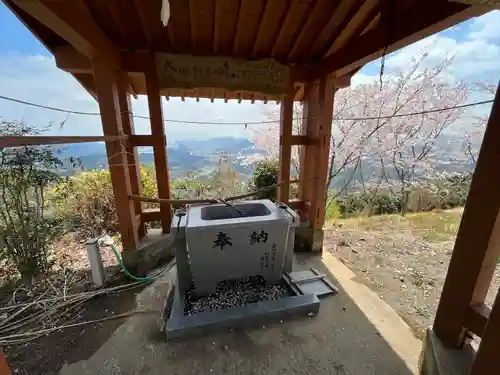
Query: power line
x=68, y=111
x=416, y=113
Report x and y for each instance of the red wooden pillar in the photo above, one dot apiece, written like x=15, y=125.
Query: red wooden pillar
x=107, y=96
x=326, y=91
x=486, y=361
x=160, y=145
x=285, y=156
x=318, y=112
x=309, y=151
x=477, y=247
x=132, y=155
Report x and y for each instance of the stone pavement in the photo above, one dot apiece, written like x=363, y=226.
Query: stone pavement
x=355, y=333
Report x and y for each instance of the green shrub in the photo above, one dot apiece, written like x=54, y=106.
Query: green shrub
x=265, y=174
x=26, y=232
x=86, y=204
x=332, y=210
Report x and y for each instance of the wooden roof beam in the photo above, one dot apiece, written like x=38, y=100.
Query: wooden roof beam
x=70, y=60
x=339, y=15
x=414, y=24
x=365, y=14
x=72, y=21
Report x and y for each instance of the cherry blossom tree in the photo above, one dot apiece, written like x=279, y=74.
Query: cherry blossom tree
x=373, y=142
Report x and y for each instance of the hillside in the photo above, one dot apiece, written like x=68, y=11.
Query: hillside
x=186, y=155
x=403, y=259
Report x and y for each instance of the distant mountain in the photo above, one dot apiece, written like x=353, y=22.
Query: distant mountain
x=229, y=145
x=186, y=155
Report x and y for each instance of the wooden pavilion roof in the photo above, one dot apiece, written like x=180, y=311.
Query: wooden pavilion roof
x=313, y=36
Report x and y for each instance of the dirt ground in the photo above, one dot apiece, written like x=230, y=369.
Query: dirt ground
x=404, y=260
x=48, y=354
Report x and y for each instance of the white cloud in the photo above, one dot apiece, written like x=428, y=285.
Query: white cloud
x=475, y=50
x=361, y=79
x=37, y=79
x=486, y=27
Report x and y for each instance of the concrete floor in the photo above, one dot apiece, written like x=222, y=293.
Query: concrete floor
x=355, y=333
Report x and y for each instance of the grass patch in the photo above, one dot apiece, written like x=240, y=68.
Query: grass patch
x=434, y=226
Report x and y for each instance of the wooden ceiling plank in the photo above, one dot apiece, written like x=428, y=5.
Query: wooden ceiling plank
x=340, y=14
x=101, y=14
x=193, y=23
x=367, y=11
x=217, y=22
x=179, y=27
x=317, y=20
x=414, y=24
x=125, y=15
x=152, y=27
x=273, y=17
x=202, y=15
x=225, y=25
x=297, y=13
x=73, y=22
x=249, y=19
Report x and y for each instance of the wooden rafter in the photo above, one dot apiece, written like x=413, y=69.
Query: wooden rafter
x=365, y=14
x=339, y=16
x=129, y=25
x=414, y=24
x=319, y=16
x=249, y=18
x=296, y=14
x=374, y=22
x=72, y=22
x=272, y=18
x=149, y=15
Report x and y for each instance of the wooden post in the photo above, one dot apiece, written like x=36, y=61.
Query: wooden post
x=486, y=360
x=285, y=158
x=308, y=152
x=107, y=94
x=326, y=91
x=477, y=245
x=318, y=112
x=132, y=155
x=160, y=146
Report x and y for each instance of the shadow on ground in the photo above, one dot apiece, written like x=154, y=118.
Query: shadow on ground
x=340, y=340
x=48, y=354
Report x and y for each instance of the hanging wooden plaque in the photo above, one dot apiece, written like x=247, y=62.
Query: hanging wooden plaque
x=189, y=72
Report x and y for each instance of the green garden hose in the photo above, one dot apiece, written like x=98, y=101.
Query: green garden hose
x=126, y=271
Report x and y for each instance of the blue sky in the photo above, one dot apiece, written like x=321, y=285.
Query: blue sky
x=28, y=72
